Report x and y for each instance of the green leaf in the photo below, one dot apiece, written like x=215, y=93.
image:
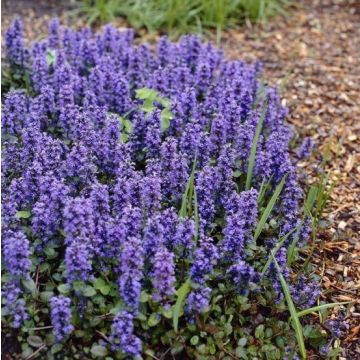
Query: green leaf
x=78, y=285
x=50, y=338
x=228, y=329
x=166, y=116
x=259, y=331
x=95, y=321
x=23, y=214
x=202, y=349
x=50, y=252
x=101, y=285
x=99, y=351
x=64, y=289
x=89, y=291
x=146, y=94
x=26, y=351
x=212, y=348
x=240, y=353
x=126, y=129
x=35, y=341
x=237, y=173
x=154, y=319
x=30, y=286
x=44, y=267
x=142, y=317
x=181, y=293
x=116, y=308
x=165, y=102
x=105, y=290
x=254, y=147
x=194, y=340
x=148, y=106
x=268, y=333
x=165, y=123
x=320, y=307
x=167, y=313
x=150, y=352
x=50, y=57
x=56, y=348
x=268, y=209
x=124, y=137
x=127, y=125
x=294, y=316
x=46, y=295
x=177, y=348
x=145, y=297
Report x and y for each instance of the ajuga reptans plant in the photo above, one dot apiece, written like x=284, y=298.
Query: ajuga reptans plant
x=128, y=227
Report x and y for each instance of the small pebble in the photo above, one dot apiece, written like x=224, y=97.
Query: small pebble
x=342, y=225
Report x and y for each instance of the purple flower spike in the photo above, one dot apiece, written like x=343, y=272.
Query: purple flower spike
x=242, y=275
x=61, y=317
x=14, y=304
x=122, y=334
x=305, y=149
x=14, y=43
x=205, y=258
x=78, y=261
x=16, y=254
x=163, y=275
x=198, y=300
x=131, y=271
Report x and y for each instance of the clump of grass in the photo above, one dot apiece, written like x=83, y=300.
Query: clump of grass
x=177, y=17
x=102, y=11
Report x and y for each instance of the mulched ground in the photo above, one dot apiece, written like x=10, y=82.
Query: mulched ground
x=313, y=55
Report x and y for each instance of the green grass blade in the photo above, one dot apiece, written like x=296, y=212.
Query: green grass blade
x=261, y=191
x=269, y=208
x=311, y=197
x=294, y=316
x=254, y=147
x=276, y=249
x=263, y=188
x=196, y=216
x=181, y=293
x=320, y=307
x=261, y=14
x=322, y=195
x=290, y=256
x=189, y=185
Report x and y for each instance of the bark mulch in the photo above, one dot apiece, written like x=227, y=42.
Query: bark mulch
x=313, y=55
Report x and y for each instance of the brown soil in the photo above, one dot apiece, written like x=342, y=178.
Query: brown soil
x=313, y=55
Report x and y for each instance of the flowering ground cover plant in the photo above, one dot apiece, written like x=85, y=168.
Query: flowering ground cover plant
x=151, y=204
